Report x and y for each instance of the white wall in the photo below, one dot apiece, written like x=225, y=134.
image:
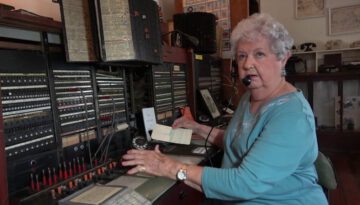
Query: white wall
x=309, y=29
x=302, y=30
x=42, y=7
x=49, y=9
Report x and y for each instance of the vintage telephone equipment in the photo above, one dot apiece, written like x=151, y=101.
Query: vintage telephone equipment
x=140, y=142
x=333, y=44
x=307, y=46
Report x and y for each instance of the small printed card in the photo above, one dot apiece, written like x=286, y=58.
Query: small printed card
x=168, y=134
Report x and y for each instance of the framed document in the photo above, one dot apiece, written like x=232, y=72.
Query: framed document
x=210, y=103
x=309, y=8
x=78, y=36
x=344, y=20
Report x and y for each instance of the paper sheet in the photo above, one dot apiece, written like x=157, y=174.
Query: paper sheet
x=167, y=134
x=132, y=182
x=149, y=120
x=96, y=195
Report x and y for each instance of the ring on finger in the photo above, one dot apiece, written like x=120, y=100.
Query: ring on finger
x=142, y=169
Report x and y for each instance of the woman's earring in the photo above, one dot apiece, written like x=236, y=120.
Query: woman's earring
x=283, y=72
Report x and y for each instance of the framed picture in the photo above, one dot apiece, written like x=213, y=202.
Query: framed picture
x=210, y=103
x=344, y=19
x=309, y=8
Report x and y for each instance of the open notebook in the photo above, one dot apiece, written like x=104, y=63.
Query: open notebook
x=171, y=141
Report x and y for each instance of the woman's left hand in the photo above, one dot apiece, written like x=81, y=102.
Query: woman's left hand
x=150, y=161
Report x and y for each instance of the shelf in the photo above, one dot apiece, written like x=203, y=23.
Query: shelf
x=25, y=20
x=314, y=76
x=325, y=51
x=311, y=61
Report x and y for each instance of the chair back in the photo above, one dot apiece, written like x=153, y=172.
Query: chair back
x=325, y=171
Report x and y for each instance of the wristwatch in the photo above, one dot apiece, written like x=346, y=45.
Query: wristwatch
x=181, y=174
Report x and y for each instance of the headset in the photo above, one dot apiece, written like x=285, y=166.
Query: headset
x=246, y=80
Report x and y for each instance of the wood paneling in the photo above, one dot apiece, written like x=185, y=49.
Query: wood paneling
x=239, y=9
x=179, y=6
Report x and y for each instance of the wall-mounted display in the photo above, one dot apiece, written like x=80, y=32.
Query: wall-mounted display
x=111, y=30
x=77, y=31
x=309, y=8
x=344, y=20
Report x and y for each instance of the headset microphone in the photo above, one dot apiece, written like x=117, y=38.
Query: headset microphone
x=246, y=81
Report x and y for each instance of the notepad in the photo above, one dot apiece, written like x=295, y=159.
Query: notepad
x=96, y=195
x=168, y=134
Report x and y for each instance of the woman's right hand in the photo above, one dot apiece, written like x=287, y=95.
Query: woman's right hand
x=185, y=123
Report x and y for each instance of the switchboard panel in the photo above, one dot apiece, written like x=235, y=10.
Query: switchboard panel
x=169, y=91
x=66, y=125
x=28, y=124
x=75, y=106
x=74, y=100
x=179, y=84
x=113, y=113
x=27, y=116
x=111, y=97
x=211, y=81
x=208, y=76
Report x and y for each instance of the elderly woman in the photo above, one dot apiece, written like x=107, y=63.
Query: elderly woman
x=269, y=145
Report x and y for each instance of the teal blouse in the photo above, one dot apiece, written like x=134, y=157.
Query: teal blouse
x=268, y=156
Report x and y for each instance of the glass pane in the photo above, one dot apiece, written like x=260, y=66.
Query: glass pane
x=325, y=94
x=351, y=105
x=351, y=88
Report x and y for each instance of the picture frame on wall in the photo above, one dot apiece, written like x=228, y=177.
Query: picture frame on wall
x=309, y=8
x=344, y=20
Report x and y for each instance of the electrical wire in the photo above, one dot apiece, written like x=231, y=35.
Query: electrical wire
x=100, y=146
x=206, y=147
x=112, y=130
x=213, y=124
x=87, y=127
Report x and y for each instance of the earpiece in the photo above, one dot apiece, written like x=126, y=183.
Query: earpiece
x=246, y=81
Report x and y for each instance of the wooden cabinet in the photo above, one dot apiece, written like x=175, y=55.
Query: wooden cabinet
x=330, y=80
x=315, y=61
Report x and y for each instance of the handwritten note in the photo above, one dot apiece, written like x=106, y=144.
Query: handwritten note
x=168, y=134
